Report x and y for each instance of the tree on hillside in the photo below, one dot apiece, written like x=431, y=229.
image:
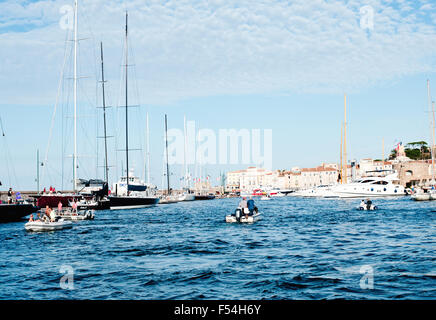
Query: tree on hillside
x=417, y=150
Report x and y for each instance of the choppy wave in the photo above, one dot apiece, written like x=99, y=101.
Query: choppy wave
x=301, y=249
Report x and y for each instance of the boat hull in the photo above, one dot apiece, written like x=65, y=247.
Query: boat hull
x=207, y=197
x=14, y=212
x=40, y=226
x=117, y=203
x=187, y=197
x=243, y=219
x=53, y=200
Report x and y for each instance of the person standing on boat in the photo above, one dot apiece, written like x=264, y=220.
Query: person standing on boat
x=250, y=205
x=10, y=192
x=60, y=207
x=74, y=206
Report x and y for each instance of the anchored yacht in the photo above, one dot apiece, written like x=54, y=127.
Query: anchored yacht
x=368, y=187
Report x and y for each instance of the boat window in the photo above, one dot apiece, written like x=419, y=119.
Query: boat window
x=381, y=182
x=367, y=181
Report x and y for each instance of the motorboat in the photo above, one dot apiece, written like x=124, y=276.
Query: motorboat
x=277, y=195
x=239, y=217
x=187, y=197
x=16, y=211
x=364, y=207
x=367, y=187
x=421, y=195
x=204, y=197
x=322, y=191
x=168, y=200
x=134, y=194
x=47, y=225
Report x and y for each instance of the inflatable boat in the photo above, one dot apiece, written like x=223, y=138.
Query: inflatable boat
x=47, y=226
x=365, y=208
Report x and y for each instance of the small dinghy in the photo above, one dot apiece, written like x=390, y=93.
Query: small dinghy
x=242, y=218
x=47, y=226
x=265, y=198
x=365, y=208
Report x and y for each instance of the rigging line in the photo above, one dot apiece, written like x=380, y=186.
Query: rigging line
x=55, y=107
x=6, y=157
x=140, y=116
x=116, y=119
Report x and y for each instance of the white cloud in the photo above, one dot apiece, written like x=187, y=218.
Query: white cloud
x=187, y=49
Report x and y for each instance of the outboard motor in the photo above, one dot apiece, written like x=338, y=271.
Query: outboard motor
x=238, y=214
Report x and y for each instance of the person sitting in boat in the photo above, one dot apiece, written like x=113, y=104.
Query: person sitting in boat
x=31, y=218
x=368, y=204
x=250, y=206
x=47, y=215
x=362, y=204
x=242, y=205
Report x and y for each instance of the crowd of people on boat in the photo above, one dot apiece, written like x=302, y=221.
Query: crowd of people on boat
x=49, y=215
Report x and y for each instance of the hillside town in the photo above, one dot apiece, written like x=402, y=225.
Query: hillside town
x=409, y=172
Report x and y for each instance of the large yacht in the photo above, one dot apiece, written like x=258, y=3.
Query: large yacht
x=134, y=194
x=368, y=187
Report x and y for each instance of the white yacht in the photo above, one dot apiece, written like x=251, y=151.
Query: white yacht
x=133, y=193
x=322, y=191
x=368, y=187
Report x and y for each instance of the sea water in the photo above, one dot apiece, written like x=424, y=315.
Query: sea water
x=300, y=249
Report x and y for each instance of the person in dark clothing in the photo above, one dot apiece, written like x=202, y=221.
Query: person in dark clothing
x=250, y=206
x=368, y=204
x=10, y=196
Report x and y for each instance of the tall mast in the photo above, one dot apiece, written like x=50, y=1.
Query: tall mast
x=75, y=99
x=345, y=138
x=37, y=171
x=148, y=149
x=185, y=170
x=166, y=148
x=342, y=138
x=127, y=122
x=106, y=168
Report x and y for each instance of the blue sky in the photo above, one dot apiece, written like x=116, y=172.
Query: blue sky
x=280, y=65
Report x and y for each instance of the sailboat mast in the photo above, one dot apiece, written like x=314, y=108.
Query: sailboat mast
x=185, y=170
x=127, y=121
x=75, y=99
x=148, y=150
x=166, y=148
x=106, y=168
x=342, y=138
x=345, y=138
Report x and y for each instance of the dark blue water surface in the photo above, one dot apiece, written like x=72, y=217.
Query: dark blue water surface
x=301, y=249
